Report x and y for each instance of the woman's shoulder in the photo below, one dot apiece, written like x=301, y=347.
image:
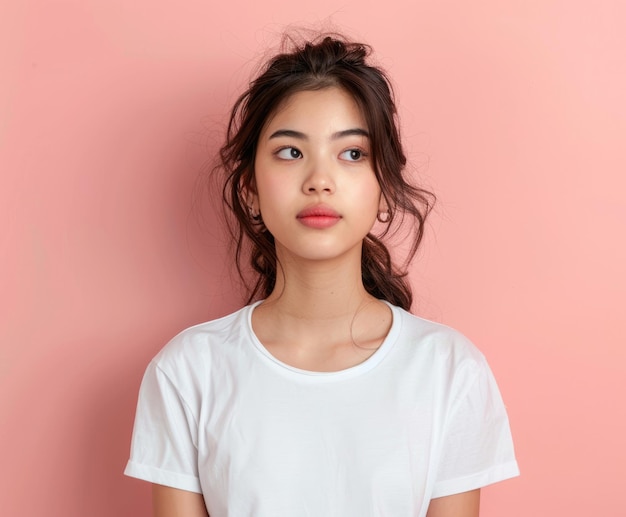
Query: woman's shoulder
x=423, y=336
x=441, y=356
x=195, y=344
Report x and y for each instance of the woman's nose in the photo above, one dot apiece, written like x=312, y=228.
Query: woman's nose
x=319, y=179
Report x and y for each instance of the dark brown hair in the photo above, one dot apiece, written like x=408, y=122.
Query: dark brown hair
x=314, y=65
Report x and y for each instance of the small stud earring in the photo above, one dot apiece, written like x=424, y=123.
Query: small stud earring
x=383, y=217
x=254, y=215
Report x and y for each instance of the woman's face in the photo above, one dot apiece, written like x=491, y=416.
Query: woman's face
x=315, y=183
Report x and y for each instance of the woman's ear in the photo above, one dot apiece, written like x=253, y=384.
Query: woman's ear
x=251, y=198
x=383, y=206
x=248, y=194
x=383, y=215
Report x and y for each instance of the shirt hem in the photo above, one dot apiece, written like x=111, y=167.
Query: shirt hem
x=163, y=477
x=478, y=480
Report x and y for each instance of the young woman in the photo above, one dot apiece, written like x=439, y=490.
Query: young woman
x=324, y=397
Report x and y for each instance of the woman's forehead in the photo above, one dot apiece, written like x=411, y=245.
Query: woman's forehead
x=327, y=110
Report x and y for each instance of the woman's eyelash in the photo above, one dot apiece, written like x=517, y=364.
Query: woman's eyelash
x=355, y=154
x=293, y=153
x=288, y=153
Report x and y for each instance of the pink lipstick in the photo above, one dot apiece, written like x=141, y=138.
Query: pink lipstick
x=319, y=217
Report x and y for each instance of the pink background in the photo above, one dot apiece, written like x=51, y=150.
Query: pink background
x=514, y=113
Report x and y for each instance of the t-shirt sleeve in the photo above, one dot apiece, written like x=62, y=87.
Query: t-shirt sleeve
x=164, y=443
x=477, y=447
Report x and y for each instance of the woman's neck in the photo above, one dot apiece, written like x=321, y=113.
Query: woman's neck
x=318, y=290
x=320, y=317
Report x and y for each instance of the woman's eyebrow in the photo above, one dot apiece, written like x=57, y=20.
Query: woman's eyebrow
x=288, y=132
x=357, y=131
x=301, y=136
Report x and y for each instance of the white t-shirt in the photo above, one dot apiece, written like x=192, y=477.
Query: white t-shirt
x=421, y=418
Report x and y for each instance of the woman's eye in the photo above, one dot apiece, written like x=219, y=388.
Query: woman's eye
x=289, y=153
x=353, y=155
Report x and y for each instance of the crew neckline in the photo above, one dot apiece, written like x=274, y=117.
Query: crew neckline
x=371, y=362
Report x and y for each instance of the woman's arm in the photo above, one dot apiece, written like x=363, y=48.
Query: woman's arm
x=171, y=502
x=465, y=504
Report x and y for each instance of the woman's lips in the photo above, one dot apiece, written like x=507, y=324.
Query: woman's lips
x=318, y=217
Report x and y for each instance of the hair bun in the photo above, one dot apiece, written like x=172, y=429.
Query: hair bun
x=332, y=50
